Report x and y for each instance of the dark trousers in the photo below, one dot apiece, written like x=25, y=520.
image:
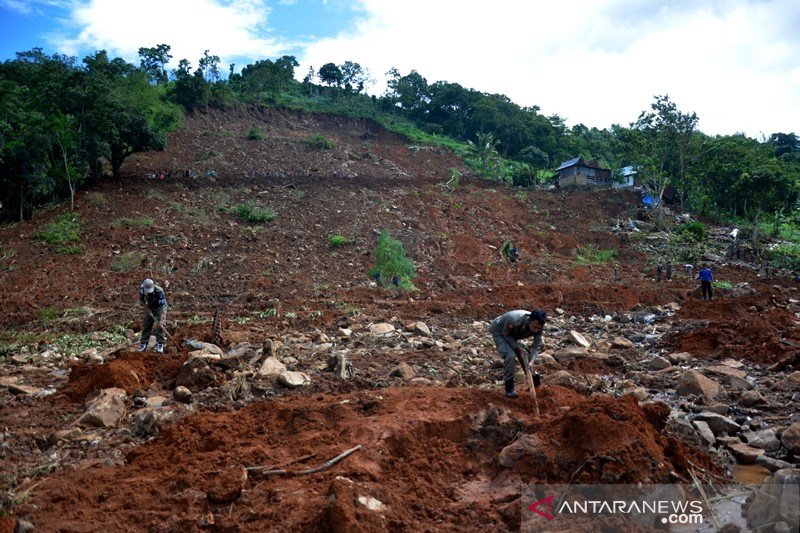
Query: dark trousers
x=509, y=357
x=705, y=287
x=148, y=322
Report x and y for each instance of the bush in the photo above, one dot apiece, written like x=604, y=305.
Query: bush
x=74, y=249
x=723, y=285
x=254, y=214
x=338, y=240
x=97, y=198
x=129, y=261
x=786, y=256
x=320, y=141
x=391, y=260
x=255, y=134
x=589, y=254
x=48, y=314
x=694, y=231
x=66, y=228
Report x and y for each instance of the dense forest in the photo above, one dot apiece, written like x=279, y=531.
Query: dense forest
x=64, y=123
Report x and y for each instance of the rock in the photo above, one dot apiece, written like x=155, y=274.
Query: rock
x=526, y=445
x=23, y=526
x=719, y=408
x=673, y=306
x=615, y=360
x=420, y=328
x=243, y=350
x=65, y=435
x=752, y=398
x=775, y=501
x=790, y=438
x=356, y=506
x=403, y=371
x=105, y=410
x=155, y=401
x=343, y=368
x=545, y=359
x=182, y=394
x=208, y=356
x=294, y=380
x=640, y=393
x=658, y=363
x=578, y=339
x=373, y=504
x=23, y=390
x=705, y=431
x=744, y=453
x=719, y=424
x=771, y=463
x=196, y=375
x=226, y=486
x=731, y=377
x=790, y=383
x=695, y=383
x=764, y=439
x=271, y=367
x=570, y=353
x=148, y=421
x=381, y=328
x=343, y=333
x=204, y=346
x=563, y=378
x=679, y=358
x=621, y=343
x=421, y=382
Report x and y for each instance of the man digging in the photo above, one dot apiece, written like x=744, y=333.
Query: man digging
x=154, y=300
x=506, y=332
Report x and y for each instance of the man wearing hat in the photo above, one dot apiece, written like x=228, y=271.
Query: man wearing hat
x=154, y=301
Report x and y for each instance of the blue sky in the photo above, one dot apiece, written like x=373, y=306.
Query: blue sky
x=736, y=63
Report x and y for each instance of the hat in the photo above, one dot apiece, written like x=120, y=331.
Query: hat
x=148, y=286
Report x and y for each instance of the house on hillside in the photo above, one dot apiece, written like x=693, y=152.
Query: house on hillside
x=627, y=177
x=577, y=172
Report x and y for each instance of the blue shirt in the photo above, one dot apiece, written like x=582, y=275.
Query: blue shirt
x=705, y=275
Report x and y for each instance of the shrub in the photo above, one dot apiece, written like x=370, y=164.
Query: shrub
x=47, y=314
x=75, y=249
x=694, y=231
x=255, y=134
x=589, y=254
x=129, y=261
x=391, y=260
x=254, y=214
x=720, y=284
x=320, y=141
x=66, y=228
x=786, y=256
x=337, y=240
x=97, y=198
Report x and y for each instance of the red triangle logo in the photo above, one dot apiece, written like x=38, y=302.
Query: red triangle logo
x=546, y=513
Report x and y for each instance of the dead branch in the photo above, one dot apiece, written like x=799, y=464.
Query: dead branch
x=325, y=466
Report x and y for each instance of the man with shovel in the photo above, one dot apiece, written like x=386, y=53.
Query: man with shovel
x=506, y=332
x=154, y=301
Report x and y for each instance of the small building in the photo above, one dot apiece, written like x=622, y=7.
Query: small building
x=579, y=173
x=627, y=177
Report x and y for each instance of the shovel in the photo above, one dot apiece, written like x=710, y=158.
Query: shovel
x=529, y=380
x=160, y=325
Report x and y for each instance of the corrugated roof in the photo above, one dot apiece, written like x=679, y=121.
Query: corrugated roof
x=569, y=163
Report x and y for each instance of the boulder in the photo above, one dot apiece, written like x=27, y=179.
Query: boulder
x=342, y=367
x=545, y=359
x=658, y=363
x=570, y=353
x=744, y=453
x=65, y=435
x=705, y=431
x=381, y=328
x=791, y=438
x=271, y=367
x=343, y=333
x=622, y=343
x=106, y=410
x=403, y=371
x=790, y=383
x=420, y=328
x=695, y=383
x=731, y=377
x=529, y=445
x=148, y=421
x=204, y=346
x=766, y=439
x=776, y=501
x=752, y=398
x=679, y=358
x=182, y=394
x=578, y=339
x=294, y=380
x=719, y=424
x=771, y=463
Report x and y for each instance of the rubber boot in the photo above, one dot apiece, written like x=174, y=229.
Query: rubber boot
x=537, y=380
x=510, y=392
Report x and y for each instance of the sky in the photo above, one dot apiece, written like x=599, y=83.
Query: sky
x=736, y=63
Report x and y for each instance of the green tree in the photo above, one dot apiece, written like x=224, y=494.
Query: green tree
x=391, y=260
x=354, y=77
x=154, y=62
x=330, y=74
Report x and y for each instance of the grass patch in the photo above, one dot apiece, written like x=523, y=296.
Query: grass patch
x=145, y=221
x=74, y=344
x=97, y=198
x=255, y=134
x=74, y=249
x=786, y=256
x=128, y=261
x=201, y=265
x=338, y=240
x=249, y=212
x=65, y=229
x=320, y=141
x=590, y=254
x=48, y=314
x=720, y=284
x=195, y=320
x=154, y=194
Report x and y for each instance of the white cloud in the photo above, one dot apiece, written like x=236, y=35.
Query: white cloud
x=26, y=7
x=228, y=29
x=595, y=62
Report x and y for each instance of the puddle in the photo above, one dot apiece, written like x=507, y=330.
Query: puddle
x=750, y=474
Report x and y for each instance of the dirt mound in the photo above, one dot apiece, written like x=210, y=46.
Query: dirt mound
x=129, y=371
x=428, y=456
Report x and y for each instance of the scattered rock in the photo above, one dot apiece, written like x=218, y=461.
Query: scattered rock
x=23, y=526
x=204, y=346
x=525, y=445
x=294, y=380
x=23, y=390
x=545, y=359
x=343, y=333
x=731, y=377
x=744, y=453
x=403, y=371
x=719, y=424
x=705, y=431
x=65, y=435
x=766, y=439
x=148, y=421
x=622, y=343
x=640, y=393
x=658, y=363
x=570, y=353
x=420, y=328
x=342, y=368
x=381, y=328
x=182, y=394
x=196, y=375
x=679, y=358
x=771, y=463
x=106, y=409
x=791, y=438
x=271, y=367
x=790, y=383
x=578, y=339
x=226, y=485
x=422, y=382
x=752, y=398
x=695, y=383
x=773, y=503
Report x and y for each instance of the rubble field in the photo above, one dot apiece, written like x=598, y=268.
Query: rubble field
x=297, y=394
